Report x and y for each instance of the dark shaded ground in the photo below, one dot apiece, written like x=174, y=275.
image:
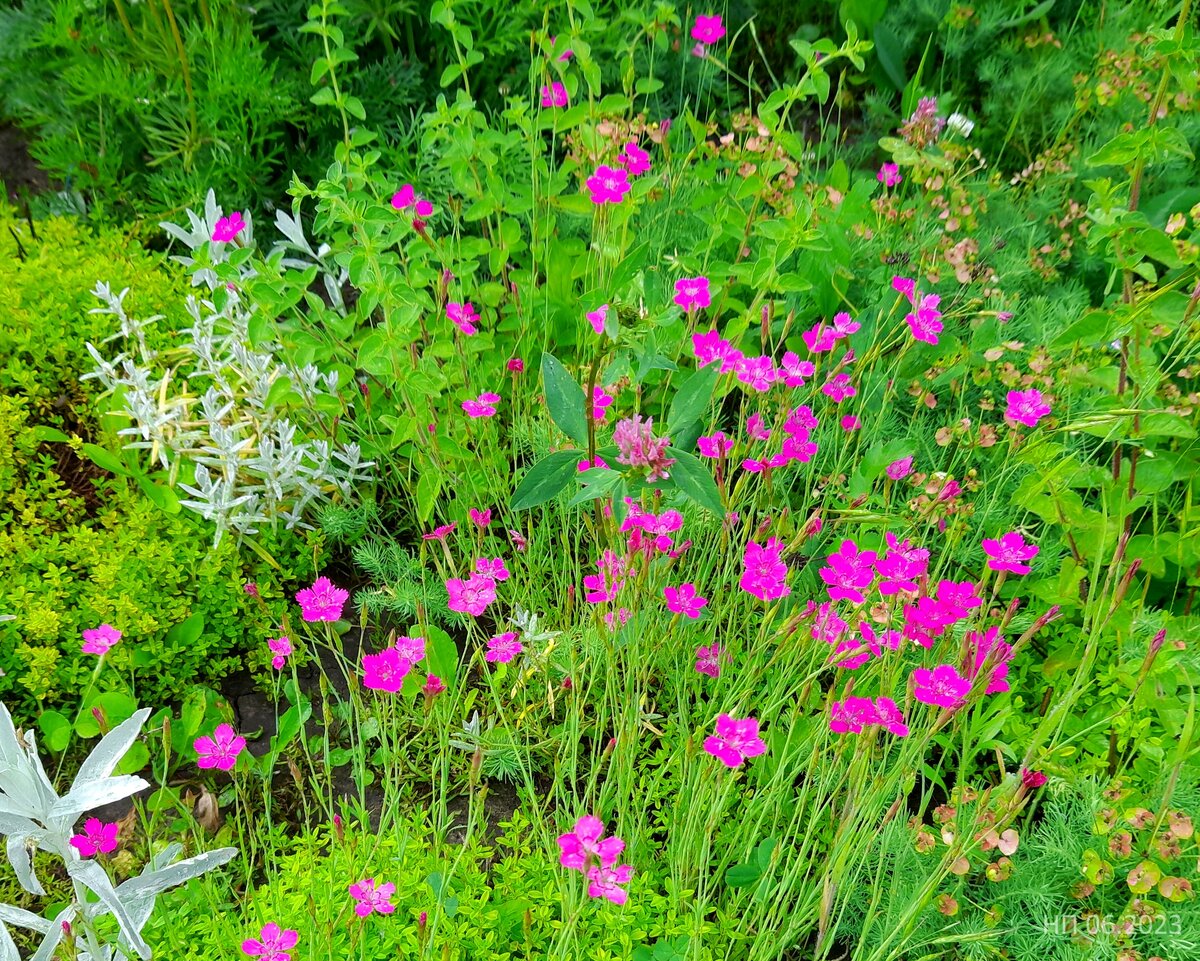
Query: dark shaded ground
x=18, y=171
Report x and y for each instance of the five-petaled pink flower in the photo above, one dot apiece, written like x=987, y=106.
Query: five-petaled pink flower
x=97, y=838
x=586, y=845
x=503, y=648
x=943, y=686
x=684, y=600
x=281, y=647
x=272, y=944
x=99, y=640
x=899, y=469
x=608, y=185
x=735, y=740
x=482, y=406
x=386, y=670
x=605, y=882
x=480, y=519
x=838, y=388
x=925, y=320
x=1009, y=553
x=471, y=596
x=598, y=317
x=463, y=316
x=554, y=95
x=322, y=601
x=692, y=293
x=765, y=574
x=634, y=159
x=889, y=175
x=1026, y=407
x=439, y=533
x=228, y=227
x=370, y=897
x=221, y=750
x=407, y=197
x=708, y=659
x=708, y=29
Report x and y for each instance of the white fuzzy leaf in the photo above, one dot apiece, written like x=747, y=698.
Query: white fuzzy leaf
x=22, y=863
x=112, y=747
x=95, y=794
x=92, y=875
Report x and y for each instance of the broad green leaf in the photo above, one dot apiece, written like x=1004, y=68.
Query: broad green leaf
x=692, y=399
x=695, y=480
x=546, y=479
x=565, y=400
x=162, y=497
x=56, y=730
x=105, y=459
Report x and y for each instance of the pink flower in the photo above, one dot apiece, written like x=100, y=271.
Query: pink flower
x=433, y=686
x=925, y=321
x=221, y=750
x=852, y=716
x=372, y=897
x=516, y=365
x=890, y=717
x=600, y=402
x=439, y=533
x=838, y=388
x=708, y=29
x=471, y=596
x=412, y=649
x=554, y=95
x=586, y=845
x=900, y=566
x=850, y=422
x=480, y=519
x=755, y=428
x=272, y=944
x=708, y=346
x=322, y=601
x=608, y=185
x=765, y=572
x=906, y=286
x=463, y=316
x=984, y=646
x=492, y=567
x=386, y=670
x=281, y=647
x=483, y=406
x=99, y=640
x=683, y=600
x=97, y=838
x=607, y=583
x=519, y=540
x=849, y=571
x=596, y=461
x=844, y=325
x=889, y=175
x=503, y=648
x=1009, y=553
x=605, y=882
x=819, y=339
x=404, y=198
x=1032, y=779
x=708, y=659
x=943, y=686
x=634, y=159
x=692, y=293
x=228, y=227
x=598, y=317
x=793, y=370
x=638, y=447
x=736, y=739
x=715, y=445
x=899, y=469
x=1026, y=407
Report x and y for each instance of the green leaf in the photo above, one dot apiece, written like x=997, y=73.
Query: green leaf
x=56, y=730
x=692, y=399
x=441, y=656
x=187, y=632
x=45, y=434
x=105, y=460
x=114, y=705
x=743, y=875
x=891, y=55
x=595, y=482
x=428, y=487
x=546, y=479
x=565, y=400
x=162, y=497
x=695, y=481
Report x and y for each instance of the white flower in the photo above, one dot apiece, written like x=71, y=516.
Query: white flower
x=960, y=125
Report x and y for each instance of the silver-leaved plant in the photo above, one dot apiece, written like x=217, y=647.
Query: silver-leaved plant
x=34, y=816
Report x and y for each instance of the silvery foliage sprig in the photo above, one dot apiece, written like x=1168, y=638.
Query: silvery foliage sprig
x=252, y=465
x=33, y=816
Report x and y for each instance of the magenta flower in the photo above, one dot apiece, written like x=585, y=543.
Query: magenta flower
x=925, y=321
x=601, y=401
x=99, y=640
x=683, y=600
x=838, y=388
x=463, y=316
x=586, y=845
x=322, y=601
x=386, y=670
x=412, y=649
x=372, y=898
x=1026, y=407
x=708, y=29
x=692, y=293
x=899, y=469
x=943, y=686
x=221, y=750
x=482, y=406
x=480, y=519
x=849, y=571
x=492, y=567
x=735, y=740
x=607, y=583
x=889, y=175
x=755, y=428
x=765, y=574
x=793, y=371
x=1009, y=553
x=638, y=447
x=404, y=198
x=634, y=159
x=890, y=717
x=598, y=318
x=708, y=659
x=851, y=716
x=433, y=686
x=97, y=838
x=471, y=596
x=850, y=422
x=983, y=646
x=554, y=95
x=715, y=445
x=272, y=944
x=439, y=533
x=1032, y=779
x=503, y=648
x=819, y=339
x=516, y=365
x=281, y=647
x=228, y=227
x=608, y=185
x=900, y=566
x=586, y=464
x=605, y=882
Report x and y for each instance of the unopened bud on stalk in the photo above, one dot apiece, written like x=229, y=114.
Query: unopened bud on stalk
x=101, y=718
x=1125, y=582
x=338, y=828
x=476, y=766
